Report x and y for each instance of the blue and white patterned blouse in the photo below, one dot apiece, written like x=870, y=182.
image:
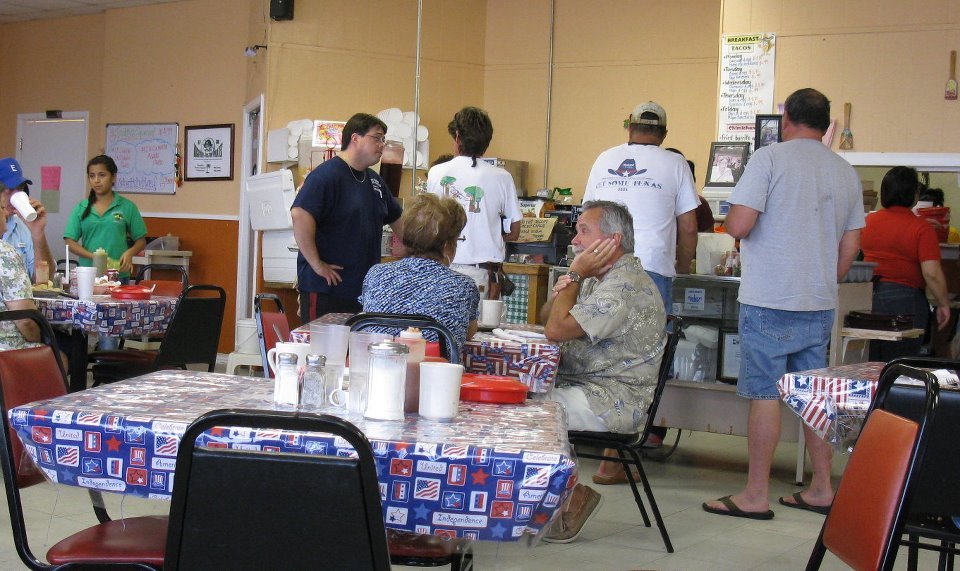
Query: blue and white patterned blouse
x=426, y=287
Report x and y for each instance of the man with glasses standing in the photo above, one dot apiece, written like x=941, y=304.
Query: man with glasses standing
x=338, y=219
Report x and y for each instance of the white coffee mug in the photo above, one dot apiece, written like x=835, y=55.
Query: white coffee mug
x=337, y=396
x=300, y=349
x=440, y=390
x=492, y=312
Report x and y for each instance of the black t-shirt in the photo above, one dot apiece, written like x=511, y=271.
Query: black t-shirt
x=350, y=216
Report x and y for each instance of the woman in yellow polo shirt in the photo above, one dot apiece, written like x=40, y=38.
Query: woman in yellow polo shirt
x=105, y=220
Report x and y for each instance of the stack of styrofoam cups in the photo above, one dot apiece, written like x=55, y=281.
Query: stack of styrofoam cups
x=405, y=127
x=298, y=129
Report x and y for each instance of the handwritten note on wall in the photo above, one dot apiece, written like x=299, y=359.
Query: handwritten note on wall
x=145, y=155
x=746, y=84
x=536, y=229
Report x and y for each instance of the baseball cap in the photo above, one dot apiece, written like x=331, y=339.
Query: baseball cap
x=649, y=107
x=11, y=175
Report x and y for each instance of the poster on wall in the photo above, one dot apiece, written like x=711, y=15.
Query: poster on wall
x=746, y=84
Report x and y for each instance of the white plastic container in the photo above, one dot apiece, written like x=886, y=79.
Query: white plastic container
x=246, y=337
x=710, y=242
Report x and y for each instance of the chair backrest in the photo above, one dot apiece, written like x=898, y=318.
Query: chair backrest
x=275, y=510
x=194, y=331
x=269, y=323
x=172, y=288
x=449, y=350
x=672, y=331
x=26, y=375
x=935, y=490
x=866, y=521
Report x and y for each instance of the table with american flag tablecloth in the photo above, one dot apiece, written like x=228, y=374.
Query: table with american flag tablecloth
x=533, y=362
x=833, y=401
x=497, y=472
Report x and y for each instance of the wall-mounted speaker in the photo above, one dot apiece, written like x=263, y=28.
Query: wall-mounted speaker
x=281, y=9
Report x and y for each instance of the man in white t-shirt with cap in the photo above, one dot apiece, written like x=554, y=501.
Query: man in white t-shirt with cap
x=657, y=188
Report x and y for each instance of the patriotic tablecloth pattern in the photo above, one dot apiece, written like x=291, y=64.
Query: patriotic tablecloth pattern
x=535, y=364
x=498, y=472
x=104, y=315
x=833, y=401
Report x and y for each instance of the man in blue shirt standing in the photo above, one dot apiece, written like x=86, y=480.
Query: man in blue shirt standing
x=26, y=240
x=338, y=219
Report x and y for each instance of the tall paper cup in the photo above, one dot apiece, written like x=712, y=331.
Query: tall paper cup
x=491, y=312
x=21, y=202
x=440, y=390
x=86, y=276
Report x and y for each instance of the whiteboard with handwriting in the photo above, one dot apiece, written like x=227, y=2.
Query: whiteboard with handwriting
x=146, y=156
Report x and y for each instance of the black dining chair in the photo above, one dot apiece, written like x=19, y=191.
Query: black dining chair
x=308, y=511
x=628, y=445
x=866, y=520
x=936, y=495
x=191, y=338
x=449, y=349
x=36, y=373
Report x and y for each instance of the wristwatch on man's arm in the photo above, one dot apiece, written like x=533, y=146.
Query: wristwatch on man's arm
x=574, y=277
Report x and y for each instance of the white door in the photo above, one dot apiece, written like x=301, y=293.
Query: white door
x=62, y=143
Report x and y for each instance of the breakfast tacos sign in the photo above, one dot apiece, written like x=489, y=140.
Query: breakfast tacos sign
x=746, y=84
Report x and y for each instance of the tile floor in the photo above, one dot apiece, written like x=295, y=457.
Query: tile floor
x=705, y=466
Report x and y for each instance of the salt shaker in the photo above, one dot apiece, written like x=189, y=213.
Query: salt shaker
x=387, y=381
x=286, y=389
x=313, y=393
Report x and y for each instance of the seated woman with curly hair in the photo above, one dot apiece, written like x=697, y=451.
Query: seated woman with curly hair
x=421, y=282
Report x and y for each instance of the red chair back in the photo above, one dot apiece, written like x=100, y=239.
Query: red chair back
x=866, y=520
x=870, y=491
x=269, y=323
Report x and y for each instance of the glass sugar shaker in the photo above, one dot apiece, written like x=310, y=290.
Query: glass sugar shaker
x=312, y=393
x=387, y=381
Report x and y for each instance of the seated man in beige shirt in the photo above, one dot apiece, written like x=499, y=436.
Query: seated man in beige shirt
x=609, y=316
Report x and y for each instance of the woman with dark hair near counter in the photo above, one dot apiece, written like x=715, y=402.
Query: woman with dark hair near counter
x=422, y=282
x=907, y=253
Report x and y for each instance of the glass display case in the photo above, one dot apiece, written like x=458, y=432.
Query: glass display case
x=709, y=349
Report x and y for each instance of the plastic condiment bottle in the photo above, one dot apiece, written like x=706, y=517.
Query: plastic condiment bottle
x=413, y=339
x=100, y=261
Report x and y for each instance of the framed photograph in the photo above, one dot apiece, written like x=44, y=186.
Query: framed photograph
x=728, y=367
x=726, y=163
x=767, y=131
x=208, y=152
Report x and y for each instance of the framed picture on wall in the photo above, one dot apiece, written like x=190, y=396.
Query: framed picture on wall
x=726, y=163
x=728, y=367
x=208, y=152
x=768, y=131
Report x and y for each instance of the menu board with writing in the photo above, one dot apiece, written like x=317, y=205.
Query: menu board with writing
x=746, y=84
x=146, y=156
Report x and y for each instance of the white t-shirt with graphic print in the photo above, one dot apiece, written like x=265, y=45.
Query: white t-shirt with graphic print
x=656, y=186
x=488, y=196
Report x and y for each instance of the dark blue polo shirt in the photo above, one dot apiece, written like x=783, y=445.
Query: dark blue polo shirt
x=350, y=216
